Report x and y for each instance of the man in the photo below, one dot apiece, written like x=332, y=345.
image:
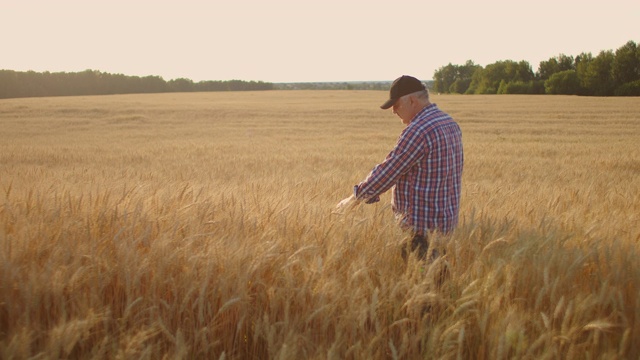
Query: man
x=423, y=171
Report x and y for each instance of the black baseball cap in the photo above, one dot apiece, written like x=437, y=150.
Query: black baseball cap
x=404, y=85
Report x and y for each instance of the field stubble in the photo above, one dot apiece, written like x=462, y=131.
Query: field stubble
x=201, y=226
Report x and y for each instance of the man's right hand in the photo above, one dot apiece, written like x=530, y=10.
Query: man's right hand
x=346, y=204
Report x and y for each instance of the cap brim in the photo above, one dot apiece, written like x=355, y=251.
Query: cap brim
x=388, y=104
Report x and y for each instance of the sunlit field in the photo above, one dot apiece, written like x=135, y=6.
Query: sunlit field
x=202, y=226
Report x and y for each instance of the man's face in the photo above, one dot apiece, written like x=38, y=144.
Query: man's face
x=402, y=108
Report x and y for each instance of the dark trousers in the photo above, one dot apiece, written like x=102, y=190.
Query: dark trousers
x=420, y=245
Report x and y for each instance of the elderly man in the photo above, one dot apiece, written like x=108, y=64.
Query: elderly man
x=423, y=171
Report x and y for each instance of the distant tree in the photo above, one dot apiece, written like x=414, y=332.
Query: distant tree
x=519, y=87
x=32, y=83
x=537, y=87
x=91, y=82
x=629, y=89
x=566, y=62
x=563, y=83
x=547, y=68
x=604, y=75
x=180, y=85
x=582, y=59
x=518, y=71
x=464, y=77
x=495, y=77
x=556, y=64
x=84, y=82
x=238, y=85
x=8, y=83
x=460, y=86
x=476, y=80
x=488, y=80
x=502, y=88
x=153, y=84
x=597, y=79
x=444, y=77
x=492, y=75
x=454, y=78
x=116, y=84
x=626, y=64
x=582, y=63
x=466, y=71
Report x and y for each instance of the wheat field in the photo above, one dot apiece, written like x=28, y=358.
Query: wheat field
x=201, y=226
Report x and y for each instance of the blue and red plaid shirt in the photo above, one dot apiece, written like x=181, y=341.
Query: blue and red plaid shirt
x=424, y=173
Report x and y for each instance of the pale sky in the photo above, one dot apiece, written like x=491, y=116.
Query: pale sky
x=302, y=41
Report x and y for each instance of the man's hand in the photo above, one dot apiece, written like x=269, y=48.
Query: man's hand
x=346, y=204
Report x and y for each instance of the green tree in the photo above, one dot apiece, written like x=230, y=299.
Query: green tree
x=464, y=76
x=502, y=88
x=8, y=83
x=460, y=86
x=15, y=84
x=444, y=77
x=180, y=85
x=519, y=87
x=454, y=78
x=152, y=84
x=597, y=79
x=476, y=80
x=547, y=68
x=489, y=80
x=626, y=64
x=518, y=71
x=563, y=83
x=629, y=89
x=566, y=62
x=582, y=63
x=556, y=64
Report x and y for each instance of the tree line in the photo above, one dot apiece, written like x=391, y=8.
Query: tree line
x=607, y=74
x=14, y=84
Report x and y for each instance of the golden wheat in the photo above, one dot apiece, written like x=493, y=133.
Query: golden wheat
x=201, y=226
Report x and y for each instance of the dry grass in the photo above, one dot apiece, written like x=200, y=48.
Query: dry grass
x=200, y=226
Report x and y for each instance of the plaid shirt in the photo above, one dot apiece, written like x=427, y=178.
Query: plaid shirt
x=424, y=173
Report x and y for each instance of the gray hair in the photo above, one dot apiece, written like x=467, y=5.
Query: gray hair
x=421, y=94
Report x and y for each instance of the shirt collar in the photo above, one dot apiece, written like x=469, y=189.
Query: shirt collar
x=425, y=110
